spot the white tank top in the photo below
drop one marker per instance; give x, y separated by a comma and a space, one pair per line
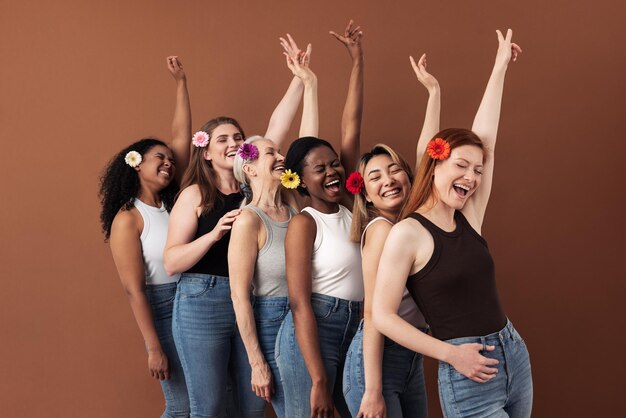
336, 260
153, 238
408, 310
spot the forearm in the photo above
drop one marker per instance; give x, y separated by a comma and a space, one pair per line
308, 341
488, 115
247, 327
285, 112
396, 328
179, 258
310, 110
352, 116
143, 316
373, 348
431, 121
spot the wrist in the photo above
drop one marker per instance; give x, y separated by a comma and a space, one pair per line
449, 353
154, 349
319, 382
373, 390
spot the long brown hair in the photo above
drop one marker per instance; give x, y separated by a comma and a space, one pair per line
423, 186
364, 211
201, 172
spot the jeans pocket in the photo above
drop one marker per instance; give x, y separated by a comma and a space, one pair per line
321, 309
270, 313
193, 289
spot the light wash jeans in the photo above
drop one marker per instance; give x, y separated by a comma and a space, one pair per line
337, 322
210, 349
404, 390
269, 313
509, 394
161, 299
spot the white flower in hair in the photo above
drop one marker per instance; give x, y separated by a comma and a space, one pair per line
133, 159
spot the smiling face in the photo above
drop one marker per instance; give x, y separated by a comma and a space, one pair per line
458, 177
269, 166
222, 148
157, 167
323, 175
387, 185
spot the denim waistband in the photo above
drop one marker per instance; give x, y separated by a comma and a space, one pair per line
270, 300
201, 278
496, 338
349, 305
165, 287
362, 324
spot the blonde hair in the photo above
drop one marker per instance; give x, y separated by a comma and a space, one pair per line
364, 211
240, 175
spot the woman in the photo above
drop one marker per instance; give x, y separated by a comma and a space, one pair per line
323, 266
256, 252
389, 383
204, 321
137, 192
484, 368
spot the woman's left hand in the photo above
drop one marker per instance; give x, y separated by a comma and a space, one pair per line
372, 406
176, 68
351, 38
297, 61
261, 380
424, 76
507, 50
158, 364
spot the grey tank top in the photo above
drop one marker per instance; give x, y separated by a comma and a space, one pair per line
270, 278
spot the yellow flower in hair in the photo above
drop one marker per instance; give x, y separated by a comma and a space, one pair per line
290, 180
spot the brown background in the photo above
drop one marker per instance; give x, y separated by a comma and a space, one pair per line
81, 79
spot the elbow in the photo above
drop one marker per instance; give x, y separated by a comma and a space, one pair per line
169, 265
132, 292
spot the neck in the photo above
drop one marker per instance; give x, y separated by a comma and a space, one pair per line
439, 213
324, 206
149, 197
389, 215
266, 194
226, 181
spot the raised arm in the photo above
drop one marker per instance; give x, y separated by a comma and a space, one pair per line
433, 107
396, 264
486, 126
181, 123
182, 251
285, 112
353, 109
298, 254
126, 250
298, 63
242, 253
373, 403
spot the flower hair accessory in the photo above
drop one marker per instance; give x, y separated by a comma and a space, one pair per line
200, 139
290, 180
133, 158
438, 149
248, 152
355, 183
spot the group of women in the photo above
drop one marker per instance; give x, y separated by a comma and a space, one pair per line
257, 283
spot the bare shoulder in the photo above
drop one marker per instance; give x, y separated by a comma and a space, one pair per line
420, 241
377, 232
302, 225
190, 195
247, 219
127, 221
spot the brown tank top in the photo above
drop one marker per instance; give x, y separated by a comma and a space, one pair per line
456, 289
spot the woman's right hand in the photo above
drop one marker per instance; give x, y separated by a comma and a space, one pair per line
158, 364
261, 380
372, 405
175, 68
321, 402
468, 361
424, 76
224, 225
297, 60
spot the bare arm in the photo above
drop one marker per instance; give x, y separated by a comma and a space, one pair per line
353, 108
433, 107
486, 127
242, 253
128, 258
396, 264
181, 123
298, 254
373, 403
182, 251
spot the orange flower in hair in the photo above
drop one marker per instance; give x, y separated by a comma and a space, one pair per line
438, 149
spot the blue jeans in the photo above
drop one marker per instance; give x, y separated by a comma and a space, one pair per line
337, 322
161, 299
210, 349
269, 312
509, 394
404, 390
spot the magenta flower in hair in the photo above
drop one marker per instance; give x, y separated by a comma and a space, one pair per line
248, 152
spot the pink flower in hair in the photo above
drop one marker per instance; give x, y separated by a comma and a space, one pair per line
200, 139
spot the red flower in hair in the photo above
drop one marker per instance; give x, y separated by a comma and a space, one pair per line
355, 183
438, 149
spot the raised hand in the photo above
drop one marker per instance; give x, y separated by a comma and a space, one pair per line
351, 38
423, 76
176, 68
468, 361
507, 50
297, 60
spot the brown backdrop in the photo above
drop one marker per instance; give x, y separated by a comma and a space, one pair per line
80, 80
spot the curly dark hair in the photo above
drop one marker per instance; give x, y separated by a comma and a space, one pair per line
119, 185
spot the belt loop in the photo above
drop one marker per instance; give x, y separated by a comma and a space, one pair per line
212, 282
484, 343
336, 304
